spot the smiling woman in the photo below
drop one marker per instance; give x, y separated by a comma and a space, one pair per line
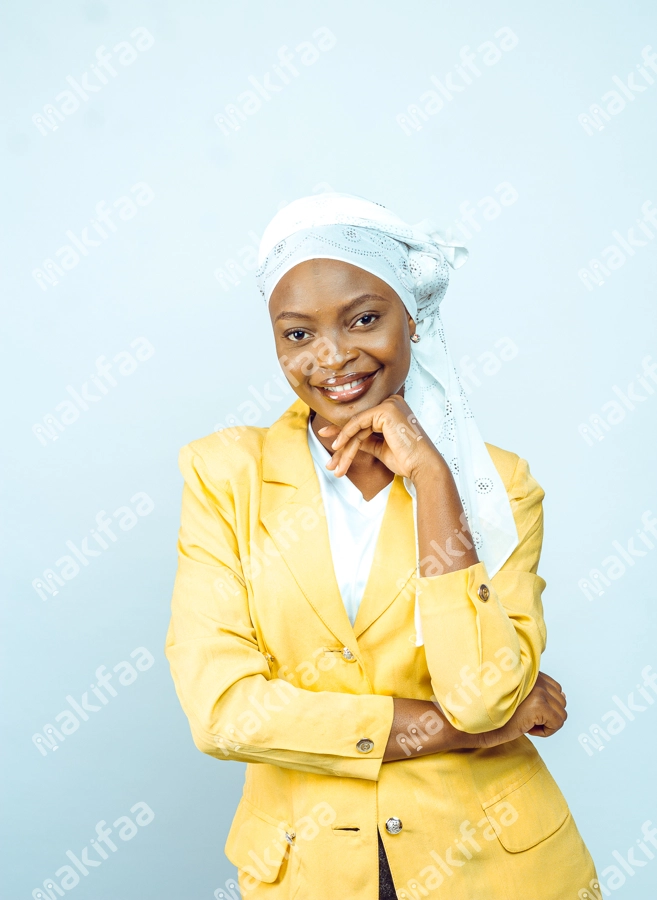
420, 579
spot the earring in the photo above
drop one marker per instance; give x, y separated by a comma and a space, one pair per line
415, 338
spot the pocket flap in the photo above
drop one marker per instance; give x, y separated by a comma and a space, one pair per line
528, 814
257, 842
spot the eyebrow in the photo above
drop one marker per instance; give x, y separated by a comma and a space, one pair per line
345, 309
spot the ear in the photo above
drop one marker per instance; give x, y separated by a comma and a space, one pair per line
411, 325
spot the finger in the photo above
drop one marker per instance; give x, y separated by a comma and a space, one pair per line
542, 731
334, 461
550, 722
538, 731
372, 445
558, 698
554, 687
548, 710
328, 430
548, 678
549, 730
374, 418
555, 695
354, 425
544, 692
556, 716
343, 458
546, 683
552, 704
376, 446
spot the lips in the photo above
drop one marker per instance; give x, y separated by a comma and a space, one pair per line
346, 387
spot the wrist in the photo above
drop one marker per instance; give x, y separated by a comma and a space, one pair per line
463, 740
430, 470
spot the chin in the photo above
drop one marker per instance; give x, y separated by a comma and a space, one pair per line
339, 414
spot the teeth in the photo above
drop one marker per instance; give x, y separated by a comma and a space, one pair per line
339, 388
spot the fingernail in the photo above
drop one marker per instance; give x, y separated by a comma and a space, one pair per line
333, 444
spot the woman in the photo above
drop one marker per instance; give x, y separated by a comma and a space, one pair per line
357, 612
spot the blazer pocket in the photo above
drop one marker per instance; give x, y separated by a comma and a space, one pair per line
529, 813
257, 843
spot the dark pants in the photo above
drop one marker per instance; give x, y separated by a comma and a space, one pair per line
386, 887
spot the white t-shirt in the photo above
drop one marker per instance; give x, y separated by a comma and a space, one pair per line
353, 526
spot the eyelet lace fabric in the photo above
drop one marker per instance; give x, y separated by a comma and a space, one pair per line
415, 261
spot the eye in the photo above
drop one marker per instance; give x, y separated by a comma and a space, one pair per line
298, 334
367, 318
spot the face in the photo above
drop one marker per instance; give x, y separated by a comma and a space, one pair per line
342, 337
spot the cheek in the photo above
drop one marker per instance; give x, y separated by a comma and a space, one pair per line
401, 368
295, 363
392, 350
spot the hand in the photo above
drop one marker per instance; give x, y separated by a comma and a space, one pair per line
389, 431
542, 713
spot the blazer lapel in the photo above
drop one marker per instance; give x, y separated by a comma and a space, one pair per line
290, 496
394, 558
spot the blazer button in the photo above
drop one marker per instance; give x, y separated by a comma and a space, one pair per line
347, 654
290, 836
483, 592
365, 745
394, 825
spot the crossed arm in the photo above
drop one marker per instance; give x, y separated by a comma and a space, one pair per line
542, 713
440, 517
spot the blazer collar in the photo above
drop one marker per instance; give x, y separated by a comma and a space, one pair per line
286, 457
290, 484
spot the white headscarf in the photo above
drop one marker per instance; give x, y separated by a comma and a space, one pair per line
414, 261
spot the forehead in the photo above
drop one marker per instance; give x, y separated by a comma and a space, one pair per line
325, 281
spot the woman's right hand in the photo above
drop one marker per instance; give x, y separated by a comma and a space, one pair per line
542, 713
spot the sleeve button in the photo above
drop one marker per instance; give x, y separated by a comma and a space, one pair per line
483, 592
365, 745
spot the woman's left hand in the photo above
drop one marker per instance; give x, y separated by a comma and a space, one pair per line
392, 433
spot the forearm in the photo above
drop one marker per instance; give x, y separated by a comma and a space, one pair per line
444, 540
262, 720
420, 727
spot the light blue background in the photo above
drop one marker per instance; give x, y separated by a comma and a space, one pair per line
335, 125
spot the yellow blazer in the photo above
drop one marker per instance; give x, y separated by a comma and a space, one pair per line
270, 671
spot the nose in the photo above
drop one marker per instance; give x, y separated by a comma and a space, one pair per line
334, 356
336, 362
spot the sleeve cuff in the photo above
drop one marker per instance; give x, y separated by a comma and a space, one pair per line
366, 756
453, 587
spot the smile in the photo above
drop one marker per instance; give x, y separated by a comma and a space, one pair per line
348, 391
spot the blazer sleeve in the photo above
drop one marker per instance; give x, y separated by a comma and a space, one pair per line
483, 655
236, 709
